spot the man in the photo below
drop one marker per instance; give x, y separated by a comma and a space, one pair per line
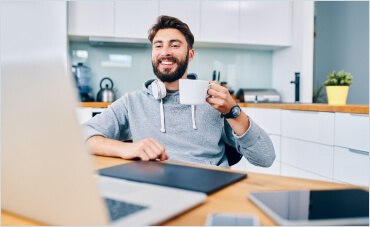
162, 128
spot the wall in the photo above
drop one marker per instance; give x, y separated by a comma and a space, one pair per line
240, 68
298, 57
342, 42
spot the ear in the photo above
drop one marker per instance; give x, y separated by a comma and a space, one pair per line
191, 54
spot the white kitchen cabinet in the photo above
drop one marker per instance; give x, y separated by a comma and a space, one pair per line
91, 18
187, 11
266, 23
308, 125
83, 114
219, 21
351, 166
268, 119
312, 157
352, 131
86, 113
133, 19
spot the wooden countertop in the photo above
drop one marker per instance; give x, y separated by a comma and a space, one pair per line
360, 109
351, 108
230, 199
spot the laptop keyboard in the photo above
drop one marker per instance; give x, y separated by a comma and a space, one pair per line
118, 209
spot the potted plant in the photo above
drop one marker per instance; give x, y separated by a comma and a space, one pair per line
337, 86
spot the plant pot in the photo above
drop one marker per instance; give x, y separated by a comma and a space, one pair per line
337, 95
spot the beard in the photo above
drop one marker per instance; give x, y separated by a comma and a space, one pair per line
166, 75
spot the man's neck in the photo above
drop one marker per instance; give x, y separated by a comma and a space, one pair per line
175, 85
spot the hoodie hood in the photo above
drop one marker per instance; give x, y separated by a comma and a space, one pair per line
147, 87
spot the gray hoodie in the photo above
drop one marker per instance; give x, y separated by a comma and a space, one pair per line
195, 136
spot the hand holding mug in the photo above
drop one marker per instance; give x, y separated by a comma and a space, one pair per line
220, 98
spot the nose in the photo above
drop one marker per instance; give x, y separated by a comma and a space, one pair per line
165, 51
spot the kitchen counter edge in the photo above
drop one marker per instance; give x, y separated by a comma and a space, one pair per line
350, 108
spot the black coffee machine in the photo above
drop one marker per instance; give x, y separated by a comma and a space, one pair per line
82, 76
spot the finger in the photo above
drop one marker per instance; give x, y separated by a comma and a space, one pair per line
164, 156
158, 148
151, 153
215, 103
143, 156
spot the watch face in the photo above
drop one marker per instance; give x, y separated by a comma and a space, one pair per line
236, 111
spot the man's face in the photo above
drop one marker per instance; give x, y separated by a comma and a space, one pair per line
170, 55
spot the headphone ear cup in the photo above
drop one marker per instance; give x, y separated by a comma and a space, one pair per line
158, 89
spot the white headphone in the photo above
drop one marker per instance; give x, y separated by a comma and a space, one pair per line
158, 89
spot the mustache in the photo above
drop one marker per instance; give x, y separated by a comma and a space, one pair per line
168, 58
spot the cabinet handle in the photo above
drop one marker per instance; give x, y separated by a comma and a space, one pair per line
359, 152
359, 115
304, 111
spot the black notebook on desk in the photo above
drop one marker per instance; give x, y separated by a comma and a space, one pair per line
177, 176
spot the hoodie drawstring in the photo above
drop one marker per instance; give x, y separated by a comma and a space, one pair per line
162, 116
192, 116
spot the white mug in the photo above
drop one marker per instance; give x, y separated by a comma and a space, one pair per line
193, 92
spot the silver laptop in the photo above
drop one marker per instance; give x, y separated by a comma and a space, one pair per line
46, 170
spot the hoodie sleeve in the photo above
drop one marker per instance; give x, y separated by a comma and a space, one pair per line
112, 123
255, 145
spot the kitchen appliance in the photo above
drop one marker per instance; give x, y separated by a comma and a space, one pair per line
106, 94
82, 75
258, 95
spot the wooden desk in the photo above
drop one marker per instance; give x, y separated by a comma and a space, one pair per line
230, 199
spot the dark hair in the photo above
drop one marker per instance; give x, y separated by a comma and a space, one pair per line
164, 22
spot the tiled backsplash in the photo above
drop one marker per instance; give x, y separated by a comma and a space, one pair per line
240, 68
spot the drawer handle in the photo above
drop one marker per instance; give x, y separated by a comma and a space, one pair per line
359, 152
304, 111
359, 115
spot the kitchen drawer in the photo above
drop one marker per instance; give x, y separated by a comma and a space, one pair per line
308, 125
86, 113
313, 157
351, 167
268, 119
352, 131
290, 171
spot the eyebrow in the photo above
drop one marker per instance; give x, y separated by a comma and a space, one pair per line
171, 41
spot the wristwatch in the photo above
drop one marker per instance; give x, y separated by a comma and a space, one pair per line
234, 112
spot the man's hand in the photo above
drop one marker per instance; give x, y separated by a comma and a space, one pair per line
220, 98
147, 149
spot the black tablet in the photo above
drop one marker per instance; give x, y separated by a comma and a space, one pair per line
177, 176
327, 207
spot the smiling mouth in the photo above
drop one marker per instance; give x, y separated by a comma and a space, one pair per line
167, 63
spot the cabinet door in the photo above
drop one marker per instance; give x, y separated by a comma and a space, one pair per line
268, 119
352, 131
91, 18
133, 19
290, 171
266, 23
187, 11
308, 125
219, 21
351, 166
312, 157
